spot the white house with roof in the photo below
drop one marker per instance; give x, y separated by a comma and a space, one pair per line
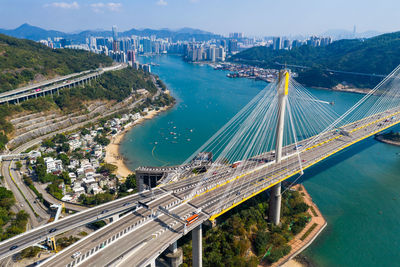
74, 144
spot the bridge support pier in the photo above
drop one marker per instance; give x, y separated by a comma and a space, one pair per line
175, 256
197, 246
114, 218
275, 199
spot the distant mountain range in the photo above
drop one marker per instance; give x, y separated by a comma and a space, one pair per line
28, 31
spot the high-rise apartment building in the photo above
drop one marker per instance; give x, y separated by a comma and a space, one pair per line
114, 32
277, 43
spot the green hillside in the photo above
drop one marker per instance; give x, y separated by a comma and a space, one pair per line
22, 61
377, 55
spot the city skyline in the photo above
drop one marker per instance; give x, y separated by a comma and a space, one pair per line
263, 18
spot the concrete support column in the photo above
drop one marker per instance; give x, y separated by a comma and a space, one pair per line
114, 218
275, 204
173, 247
197, 246
175, 257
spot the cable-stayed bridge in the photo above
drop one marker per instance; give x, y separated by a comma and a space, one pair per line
283, 131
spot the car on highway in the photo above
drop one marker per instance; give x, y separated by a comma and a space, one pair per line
104, 211
53, 230
76, 255
297, 147
13, 247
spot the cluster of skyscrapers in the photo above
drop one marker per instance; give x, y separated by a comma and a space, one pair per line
280, 43
125, 49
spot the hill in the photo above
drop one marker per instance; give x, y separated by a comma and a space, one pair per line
22, 61
377, 55
35, 33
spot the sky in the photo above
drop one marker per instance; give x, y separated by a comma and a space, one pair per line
253, 17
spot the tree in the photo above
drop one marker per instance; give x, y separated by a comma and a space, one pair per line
18, 165
108, 168
60, 139
48, 143
85, 131
260, 242
63, 148
104, 141
65, 177
64, 158
6, 198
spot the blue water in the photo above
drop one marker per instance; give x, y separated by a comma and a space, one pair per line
358, 190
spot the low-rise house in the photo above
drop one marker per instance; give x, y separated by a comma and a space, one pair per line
89, 180
74, 144
74, 163
80, 172
72, 176
136, 116
79, 190
67, 198
94, 189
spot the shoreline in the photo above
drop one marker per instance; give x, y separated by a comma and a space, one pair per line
345, 90
113, 154
302, 241
339, 87
382, 139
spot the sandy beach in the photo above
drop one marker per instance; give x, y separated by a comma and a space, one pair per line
113, 155
293, 263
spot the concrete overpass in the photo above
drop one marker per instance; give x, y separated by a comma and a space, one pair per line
53, 86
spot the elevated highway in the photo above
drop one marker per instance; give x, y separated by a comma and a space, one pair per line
54, 85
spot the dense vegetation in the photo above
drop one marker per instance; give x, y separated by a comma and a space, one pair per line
377, 55
11, 224
392, 136
22, 61
244, 238
116, 85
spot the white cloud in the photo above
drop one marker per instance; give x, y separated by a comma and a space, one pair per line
100, 7
114, 6
64, 5
162, 3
